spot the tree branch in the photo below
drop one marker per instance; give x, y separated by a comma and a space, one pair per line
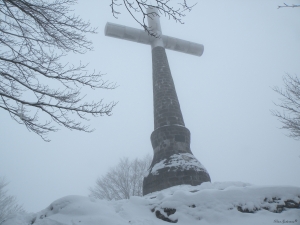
288, 6
34, 37
290, 105
164, 7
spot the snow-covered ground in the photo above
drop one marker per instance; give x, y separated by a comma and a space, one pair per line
216, 203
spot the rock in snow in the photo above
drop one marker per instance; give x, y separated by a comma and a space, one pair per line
208, 203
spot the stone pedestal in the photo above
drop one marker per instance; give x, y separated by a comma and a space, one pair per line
173, 162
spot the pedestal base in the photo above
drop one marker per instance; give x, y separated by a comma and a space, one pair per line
173, 162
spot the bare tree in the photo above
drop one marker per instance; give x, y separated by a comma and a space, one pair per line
290, 103
8, 204
122, 181
34, 37
36, 88
287, 5
172, 9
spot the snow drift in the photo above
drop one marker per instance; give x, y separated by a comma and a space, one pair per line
208, 203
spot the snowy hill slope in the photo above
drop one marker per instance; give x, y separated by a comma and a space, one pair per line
217, 203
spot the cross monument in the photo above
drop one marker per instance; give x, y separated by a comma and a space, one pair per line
173, 162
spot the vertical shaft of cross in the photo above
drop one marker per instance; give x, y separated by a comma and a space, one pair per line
173, 162
166, 105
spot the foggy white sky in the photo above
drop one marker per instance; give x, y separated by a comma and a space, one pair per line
225, 97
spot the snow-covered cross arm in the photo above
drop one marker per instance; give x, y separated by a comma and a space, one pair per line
141, 36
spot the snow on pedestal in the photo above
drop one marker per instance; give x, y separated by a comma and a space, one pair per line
178, 162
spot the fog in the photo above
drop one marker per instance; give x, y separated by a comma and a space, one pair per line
225, 96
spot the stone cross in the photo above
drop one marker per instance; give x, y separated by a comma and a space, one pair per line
173, 162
